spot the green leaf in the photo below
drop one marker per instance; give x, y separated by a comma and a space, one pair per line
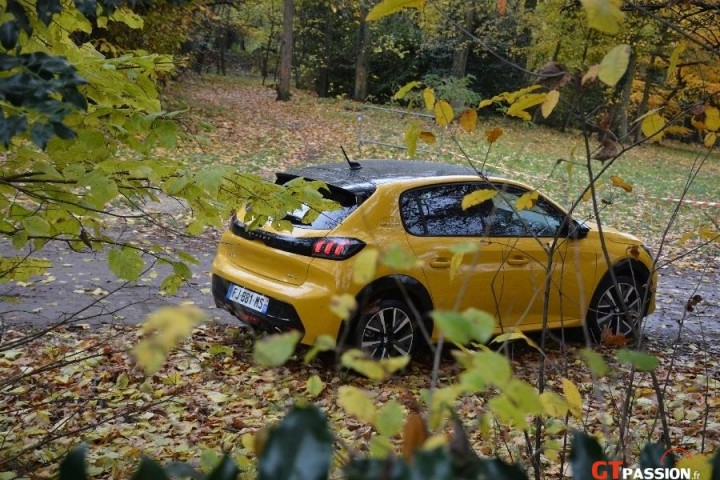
354, 401
299, 448
126, 263
225, 470
640, 360
73, 465
390, 418
614, 65
314, 386
388, 7
604, 15
275, 350
36, 226
412, 134
462, 328
323, 343
399, 258
486, 368
373, 369
583, 455
149, 469
594, 361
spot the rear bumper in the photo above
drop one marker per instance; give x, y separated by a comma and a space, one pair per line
280, 316
304, 307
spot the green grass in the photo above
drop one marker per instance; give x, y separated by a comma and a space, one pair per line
242, 125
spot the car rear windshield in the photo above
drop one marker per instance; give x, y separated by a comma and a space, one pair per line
328, 219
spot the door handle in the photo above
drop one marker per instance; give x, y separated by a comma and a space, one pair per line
518, 260
440, 262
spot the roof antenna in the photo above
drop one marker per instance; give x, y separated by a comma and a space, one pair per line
353, 165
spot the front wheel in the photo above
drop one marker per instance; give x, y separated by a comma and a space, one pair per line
606, 308
386, 329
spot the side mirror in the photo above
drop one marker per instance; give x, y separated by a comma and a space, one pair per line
574, 229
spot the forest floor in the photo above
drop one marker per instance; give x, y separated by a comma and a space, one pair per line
204, 402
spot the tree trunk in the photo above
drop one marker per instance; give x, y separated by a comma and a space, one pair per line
286, 52
623, 105
462, 50
322, 83
362, 62
649, 77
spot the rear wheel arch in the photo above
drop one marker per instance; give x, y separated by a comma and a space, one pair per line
402, 288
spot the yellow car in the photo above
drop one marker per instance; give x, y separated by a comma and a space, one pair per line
281, 280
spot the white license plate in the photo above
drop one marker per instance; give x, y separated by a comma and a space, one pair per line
248, 298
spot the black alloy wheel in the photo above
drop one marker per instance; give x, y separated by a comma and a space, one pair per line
388, 329
606, 309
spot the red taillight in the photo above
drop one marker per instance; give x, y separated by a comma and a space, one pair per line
335, 248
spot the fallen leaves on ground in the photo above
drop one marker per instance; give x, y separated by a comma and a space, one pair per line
210, 397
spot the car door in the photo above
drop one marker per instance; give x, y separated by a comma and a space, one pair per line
437, 227
527, 235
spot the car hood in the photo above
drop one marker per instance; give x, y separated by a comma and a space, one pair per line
614, 235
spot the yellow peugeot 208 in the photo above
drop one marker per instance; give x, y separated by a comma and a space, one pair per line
281, 280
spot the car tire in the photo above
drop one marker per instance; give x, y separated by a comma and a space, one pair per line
387, 328
606, 310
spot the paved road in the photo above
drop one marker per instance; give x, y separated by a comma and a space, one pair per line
77, 287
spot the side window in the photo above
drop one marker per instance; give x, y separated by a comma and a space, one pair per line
436, 211
543, 220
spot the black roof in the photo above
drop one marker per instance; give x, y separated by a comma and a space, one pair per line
377, 171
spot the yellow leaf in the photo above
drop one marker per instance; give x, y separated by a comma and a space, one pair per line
486, 102
511, 97
412, 133
591, 74
163, 330
614, 65
373, 369
314, 386
619, 182
493, 134
400, 94
355, 402
468, 120
710, 139
477, 197
674, 59
429, 97
527, 201
343, 305
604, 15
517, 335
699, 465
708, 233
427, 137
443, 113
365, 264
519, 107
551, 100
573, 397
455, 262
388, 7
712, 119
553, 404
653, 127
